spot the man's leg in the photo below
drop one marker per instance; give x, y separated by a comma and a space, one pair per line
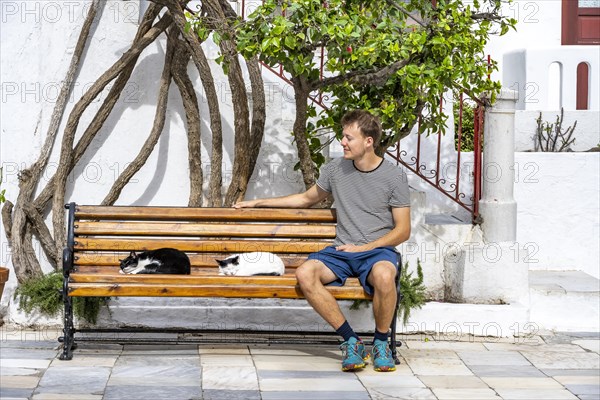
382, 278
312, 277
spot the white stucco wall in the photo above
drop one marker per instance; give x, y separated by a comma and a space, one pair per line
557, 198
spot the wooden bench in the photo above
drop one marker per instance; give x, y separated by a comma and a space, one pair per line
98, 236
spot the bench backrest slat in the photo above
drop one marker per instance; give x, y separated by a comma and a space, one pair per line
202, 246
204, 214
242, 230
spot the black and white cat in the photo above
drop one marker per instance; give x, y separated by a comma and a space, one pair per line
159, 261
254, 263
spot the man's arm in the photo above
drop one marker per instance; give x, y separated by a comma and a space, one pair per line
301, 200
399, 234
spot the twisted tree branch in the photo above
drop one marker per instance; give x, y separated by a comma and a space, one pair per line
201, 62
192, 113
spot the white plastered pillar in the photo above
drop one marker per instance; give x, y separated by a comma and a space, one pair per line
497, 206
490, 267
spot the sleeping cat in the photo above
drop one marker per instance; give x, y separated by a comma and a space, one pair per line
254, 263
159, 261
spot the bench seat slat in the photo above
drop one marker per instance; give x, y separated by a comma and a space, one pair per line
197, 277
225, 290
95, 259
225, 246
121, 228
145, 213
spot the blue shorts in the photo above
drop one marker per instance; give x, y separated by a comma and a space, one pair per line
346, 264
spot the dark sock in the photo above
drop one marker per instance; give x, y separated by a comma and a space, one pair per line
346, 331
380, 336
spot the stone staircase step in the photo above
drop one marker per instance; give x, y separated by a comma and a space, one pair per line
565, 300
444, 219
564, 281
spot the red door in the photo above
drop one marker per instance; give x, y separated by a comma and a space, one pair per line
580, 22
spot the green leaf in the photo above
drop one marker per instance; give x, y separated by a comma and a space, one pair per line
289, 42
278, 30
216, 37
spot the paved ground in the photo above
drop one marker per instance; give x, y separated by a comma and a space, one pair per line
548, 366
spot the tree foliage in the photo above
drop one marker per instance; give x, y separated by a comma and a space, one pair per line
393, 58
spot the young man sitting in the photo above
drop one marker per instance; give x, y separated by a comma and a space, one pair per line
372, 203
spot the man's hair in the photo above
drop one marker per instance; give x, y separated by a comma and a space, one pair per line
369, 124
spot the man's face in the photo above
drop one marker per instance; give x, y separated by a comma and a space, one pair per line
354, 143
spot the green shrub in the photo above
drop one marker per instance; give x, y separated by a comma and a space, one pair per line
552, 137
467, 141
43, 294
413, 293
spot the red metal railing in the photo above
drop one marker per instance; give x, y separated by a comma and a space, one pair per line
449, 187
417, 164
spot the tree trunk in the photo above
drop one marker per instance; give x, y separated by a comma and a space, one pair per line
257, 129
240, 173
39, 228
248, 148
192, 114
193, 41
301, 93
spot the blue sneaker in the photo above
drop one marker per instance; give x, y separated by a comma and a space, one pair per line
354, 354
382, 357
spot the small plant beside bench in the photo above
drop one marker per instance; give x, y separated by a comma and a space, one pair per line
99, 236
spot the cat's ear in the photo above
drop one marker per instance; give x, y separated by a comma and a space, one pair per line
220, 262
235, 260
132, 254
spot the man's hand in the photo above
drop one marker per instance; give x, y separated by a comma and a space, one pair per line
352, 248
246, 204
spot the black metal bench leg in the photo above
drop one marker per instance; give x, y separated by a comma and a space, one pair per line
394, 344
68, 339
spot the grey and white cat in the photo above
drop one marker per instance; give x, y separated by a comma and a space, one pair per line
159, 261
254, 263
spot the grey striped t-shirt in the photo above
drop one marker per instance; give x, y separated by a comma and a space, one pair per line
364, 200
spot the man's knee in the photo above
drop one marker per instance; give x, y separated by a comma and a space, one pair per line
306, 274
383, 275
313, 273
